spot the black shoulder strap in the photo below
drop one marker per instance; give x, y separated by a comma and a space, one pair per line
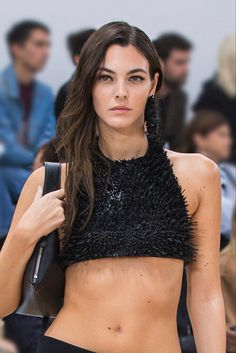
52, 180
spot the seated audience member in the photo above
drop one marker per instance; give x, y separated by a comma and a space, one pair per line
219, 92
27, 121
174, 51
26, 112
228, 282
75, 42
209, 133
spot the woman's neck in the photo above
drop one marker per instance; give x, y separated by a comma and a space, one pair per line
123, 146
23, 75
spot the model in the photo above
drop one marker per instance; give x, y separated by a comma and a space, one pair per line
131, 214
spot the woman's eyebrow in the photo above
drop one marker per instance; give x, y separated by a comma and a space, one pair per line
129, 72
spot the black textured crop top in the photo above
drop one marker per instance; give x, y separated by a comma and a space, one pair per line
139, 210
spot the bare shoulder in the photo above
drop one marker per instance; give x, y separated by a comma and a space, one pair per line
195, 173
196, 164
27, 194
38, 176
35, 179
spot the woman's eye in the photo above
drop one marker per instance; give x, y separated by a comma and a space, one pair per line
104, 78
136, 78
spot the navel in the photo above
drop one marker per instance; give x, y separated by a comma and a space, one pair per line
117, 330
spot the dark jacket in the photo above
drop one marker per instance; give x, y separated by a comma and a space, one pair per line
61, 99
172, 112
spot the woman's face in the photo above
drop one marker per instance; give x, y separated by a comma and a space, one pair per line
124, 80
216, 144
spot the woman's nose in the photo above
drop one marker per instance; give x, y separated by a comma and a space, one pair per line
121, 90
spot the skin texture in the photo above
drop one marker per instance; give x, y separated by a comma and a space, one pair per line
129, 304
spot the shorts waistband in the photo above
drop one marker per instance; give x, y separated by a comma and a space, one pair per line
48, 344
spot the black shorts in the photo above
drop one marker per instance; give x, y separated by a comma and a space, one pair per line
49, 344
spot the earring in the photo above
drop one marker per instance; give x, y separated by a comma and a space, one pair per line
150, 116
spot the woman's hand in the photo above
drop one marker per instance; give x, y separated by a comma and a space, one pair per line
35, 215
45, 214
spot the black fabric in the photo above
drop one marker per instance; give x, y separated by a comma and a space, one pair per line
172, 114
185, 331
24, 331
61, 97
49, 344
139, 210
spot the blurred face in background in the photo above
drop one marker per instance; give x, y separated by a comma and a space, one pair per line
216, 144
34, 52
76, 59
176, 67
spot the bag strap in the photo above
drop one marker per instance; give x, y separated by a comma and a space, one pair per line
52, 182
52, 177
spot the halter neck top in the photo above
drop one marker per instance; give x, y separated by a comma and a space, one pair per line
139, 210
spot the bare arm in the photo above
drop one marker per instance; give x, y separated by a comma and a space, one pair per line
204, 299
34, 217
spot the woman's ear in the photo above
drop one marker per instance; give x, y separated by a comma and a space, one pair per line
154, 83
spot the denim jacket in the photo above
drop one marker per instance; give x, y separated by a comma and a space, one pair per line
41, 125
228, 197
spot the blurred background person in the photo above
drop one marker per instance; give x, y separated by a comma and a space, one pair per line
75, 42
209, 133
175, 52
27, 121
228, 283
219, 92
26, 111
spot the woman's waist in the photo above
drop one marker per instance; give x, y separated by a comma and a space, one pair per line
122, 307
118, 332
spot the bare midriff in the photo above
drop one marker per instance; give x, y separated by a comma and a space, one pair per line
121, 305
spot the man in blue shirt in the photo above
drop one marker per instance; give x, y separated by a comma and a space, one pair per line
27, 122
27, 118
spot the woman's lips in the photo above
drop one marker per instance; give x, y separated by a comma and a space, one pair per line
120, 110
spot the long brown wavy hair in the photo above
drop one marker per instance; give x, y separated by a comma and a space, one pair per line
76, 125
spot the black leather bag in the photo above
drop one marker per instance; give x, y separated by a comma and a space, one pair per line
44, 279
